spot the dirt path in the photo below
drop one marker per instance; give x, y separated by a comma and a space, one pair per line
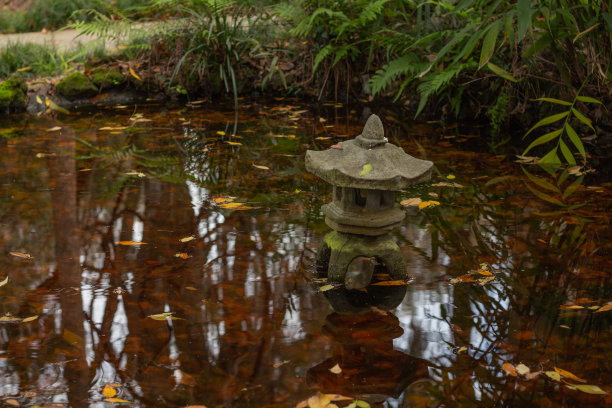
64, 40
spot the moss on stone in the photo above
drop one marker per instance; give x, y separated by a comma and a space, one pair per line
13, 93
107, 78
75, 85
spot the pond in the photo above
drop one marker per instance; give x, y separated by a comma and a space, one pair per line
165, 256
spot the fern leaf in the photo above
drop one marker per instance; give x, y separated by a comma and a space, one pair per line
409, 64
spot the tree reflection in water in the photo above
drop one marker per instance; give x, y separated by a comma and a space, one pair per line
251, 329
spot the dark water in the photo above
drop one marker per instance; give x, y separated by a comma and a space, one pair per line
252, 328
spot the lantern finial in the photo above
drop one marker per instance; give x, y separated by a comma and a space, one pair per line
373, 134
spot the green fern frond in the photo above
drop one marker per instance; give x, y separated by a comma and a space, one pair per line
434, 82
321, 55
409, 64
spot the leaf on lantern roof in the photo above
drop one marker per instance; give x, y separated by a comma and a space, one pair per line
367, 168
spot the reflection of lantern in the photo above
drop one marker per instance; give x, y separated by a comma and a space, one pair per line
363, 349
365, 172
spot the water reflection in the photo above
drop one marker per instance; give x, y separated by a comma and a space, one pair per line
252, 329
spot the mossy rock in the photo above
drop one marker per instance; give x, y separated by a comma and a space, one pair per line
106, 78
75, 85
13, 93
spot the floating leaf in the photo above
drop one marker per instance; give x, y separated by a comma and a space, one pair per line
9, 318
222, 199
510, 369
569, 375
391, 283
181, 255
486, 280
335, 369
553, 375
231, 205
604, 308
135, 173
4, 282
589, 389
12, 402
234, 143
29, 319
56, 107
484, 272
462, 349
117, 400
21, 255
257, 166
325, 288
426, 204
113, 128
366, 169
109, 391
131, 243
411, 202
450, 177
54, 129
132, 73
164, 316
39, 100
565, 307
522, 369
187, 239
220, 133
276, 365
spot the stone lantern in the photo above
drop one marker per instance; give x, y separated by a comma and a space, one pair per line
365, 173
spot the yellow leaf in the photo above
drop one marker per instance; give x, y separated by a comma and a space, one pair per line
367, 168
21, 255
411, 202
29, 319
131, 243
569, 375
522, 369
276, 365
325, 288
56, 107
462, 349
230, 205
450, 177
12, 402
118, 400
109, 391
589, 389
338, 397
484, 272
391, 283
234, 143
23, 69
260, 167
4, 282
604, 308
182, 255
164, 316
553, 375
426, 204
335, 369
9, 318
134, 74
187, 239
113, 128
54, 129
510, 369
220, 133
39, 100
565, 307
484, 281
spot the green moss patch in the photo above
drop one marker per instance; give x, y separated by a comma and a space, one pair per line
75, 85
13, 93
107, 78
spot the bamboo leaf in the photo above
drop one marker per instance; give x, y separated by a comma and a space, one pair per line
543, 139
554, 100
501, 72
488, 43
567, 154
587, 99
581, 34
544, 196
573, 187
523, 14
583, 118
548, 120
575, 139
550, 158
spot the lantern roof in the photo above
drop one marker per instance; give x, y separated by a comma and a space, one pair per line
368, 162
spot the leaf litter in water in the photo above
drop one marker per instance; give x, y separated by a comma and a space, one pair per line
589, 389
569, 375
131, 243
187, 239
335, 369
390, 283
21, 255
164, 316
509, 369
426, 204
4, 282
411, 202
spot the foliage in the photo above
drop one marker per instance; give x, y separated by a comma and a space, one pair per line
32, 59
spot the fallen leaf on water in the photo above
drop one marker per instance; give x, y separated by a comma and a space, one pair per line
12, 402
21, 255
484, 272
564, 326
29, 319
244, 208
187, 239
276, 365
450, 177
461, 349
4, 282
164, 316
446, 184
182, 255
131, 243
195, 406
604, 308
367, 168
589, 389
510, 369
135, 173
109, 391
426, 204
569, 375
484, 281
54, 129
39, 100
336, 146
132, 73
522, 369
118, 400
9, 318
390, 283
526, 159
56, 107
220, 133
553, 375
231, 205
465, 278
234, 143
335, 369
257, 166
434, 195
411, 202
113, 128
565, 307
326, 288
